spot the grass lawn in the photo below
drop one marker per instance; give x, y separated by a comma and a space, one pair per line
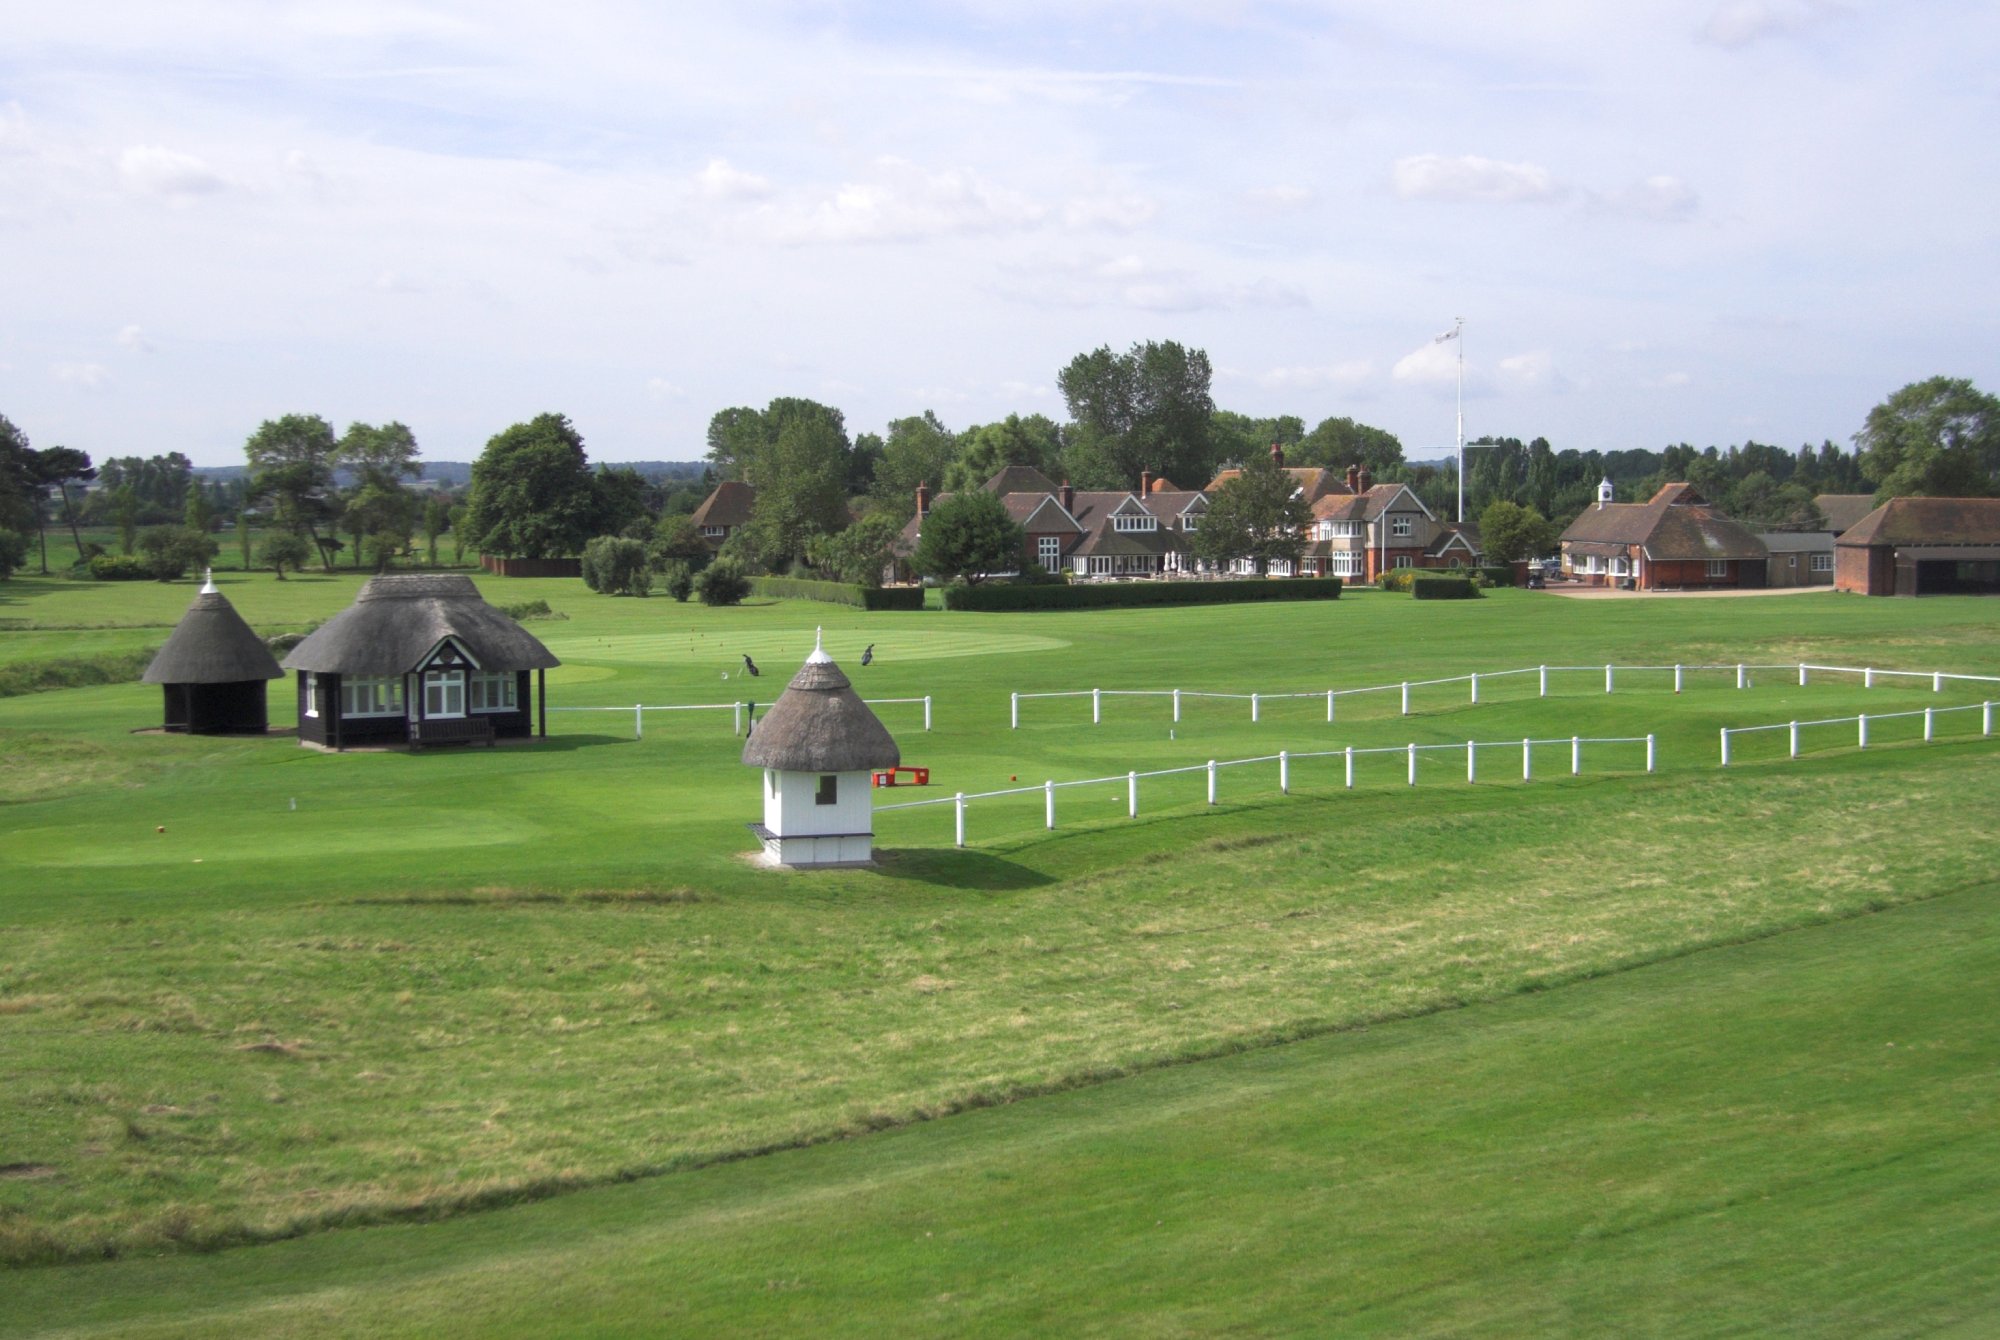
357, 989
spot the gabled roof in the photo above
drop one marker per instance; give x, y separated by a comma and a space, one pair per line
1797, 541
1314, 481
212, 645
1019, 479
1367, 506
400, 618
1094, 510
729, 505
1842, 510
820, 724
1170, 505
1042, 515
1675, 526
1454, 535
1922, 521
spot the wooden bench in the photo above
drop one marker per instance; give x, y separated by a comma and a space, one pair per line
452, 730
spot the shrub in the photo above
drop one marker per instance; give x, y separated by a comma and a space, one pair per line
679, 580
285, 550
171, 550
119, 568
13, 552
1433, 587
530, 609
1025, 596
612, 565
840, 593
71, 672
1499, 574
722, 583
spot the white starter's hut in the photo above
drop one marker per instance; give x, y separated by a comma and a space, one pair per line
214, 670
817, 746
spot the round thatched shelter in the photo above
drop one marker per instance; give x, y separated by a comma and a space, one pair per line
817, 746
419, 657
214, 671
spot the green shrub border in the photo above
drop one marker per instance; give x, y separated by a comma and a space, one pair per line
839, 593
1445, 588
74, 672
1020, 596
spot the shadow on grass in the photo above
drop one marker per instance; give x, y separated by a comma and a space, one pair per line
954, 869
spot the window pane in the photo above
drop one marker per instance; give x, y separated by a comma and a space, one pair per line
829, 790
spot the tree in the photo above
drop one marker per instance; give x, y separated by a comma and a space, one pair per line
1258, 515
967, 536
384, 455
1238, 437
18, 470
623, 502
533, 495
1340, 442
918, 450
170, 551
985, 451
1936, 438
383, 513
1146, 409
1511, 533
801, 483
13, 552
858, 554
615, 565
59, 467
291, 463
436, 521
722, 582
282, 549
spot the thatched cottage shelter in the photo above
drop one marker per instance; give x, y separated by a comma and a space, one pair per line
419, 658
214, 671
817, 747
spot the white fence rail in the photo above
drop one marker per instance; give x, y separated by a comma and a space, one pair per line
639, 710
1861, 724
1742, 670
1284, 759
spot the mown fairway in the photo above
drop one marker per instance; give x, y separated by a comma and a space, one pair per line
355, 989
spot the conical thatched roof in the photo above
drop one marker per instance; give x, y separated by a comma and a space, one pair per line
820, 724
212, 645
399, 617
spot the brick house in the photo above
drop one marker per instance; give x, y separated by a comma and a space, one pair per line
1675, 541
723, 511
1922, 546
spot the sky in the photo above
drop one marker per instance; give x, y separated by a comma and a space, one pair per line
1660, 220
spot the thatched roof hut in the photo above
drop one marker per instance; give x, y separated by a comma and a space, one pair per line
399, 618
213, 669
819, 724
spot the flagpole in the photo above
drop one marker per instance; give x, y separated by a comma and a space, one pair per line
1458, 333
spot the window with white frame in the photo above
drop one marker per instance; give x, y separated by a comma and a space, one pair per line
1347, 530
444, 693
1400, 561
312, 693
1822, 562
1190, 520
1399, 526
366, 696
1718, 567
1346, 564
1591, 565
1048, 551
715, 532
1130, 521
492, 691
1619, 567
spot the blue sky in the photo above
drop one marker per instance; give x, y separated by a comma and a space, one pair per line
1702, 221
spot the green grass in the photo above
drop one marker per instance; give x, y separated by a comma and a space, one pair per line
356, 989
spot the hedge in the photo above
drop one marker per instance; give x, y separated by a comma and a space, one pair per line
1444, 588
1020, 596
1501, 574
840, 593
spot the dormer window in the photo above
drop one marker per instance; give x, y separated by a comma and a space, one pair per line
1129, 522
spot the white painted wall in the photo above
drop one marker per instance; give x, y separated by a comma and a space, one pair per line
790, 809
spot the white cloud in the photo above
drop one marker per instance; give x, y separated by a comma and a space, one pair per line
720, 181
1129, 280
133, 338
661, 389
1118, 212
1471, 178
1350, 377
83, 376
903, 203
151, 170
1533, 371
1738, 23
1431, 365
1664, 198
1282, 197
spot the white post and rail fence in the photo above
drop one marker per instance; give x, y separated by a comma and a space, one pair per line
738, 709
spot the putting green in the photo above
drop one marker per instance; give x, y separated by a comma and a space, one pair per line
781, 650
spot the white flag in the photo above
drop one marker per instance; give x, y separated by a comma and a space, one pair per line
1451, 334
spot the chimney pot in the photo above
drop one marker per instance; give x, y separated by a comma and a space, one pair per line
1278, 455
1354, 479
923, 501
1145, 482
1068, 497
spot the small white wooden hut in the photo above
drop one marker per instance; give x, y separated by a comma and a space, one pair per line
817, 746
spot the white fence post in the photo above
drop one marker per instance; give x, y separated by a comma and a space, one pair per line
1868, 678
739, 718
1862, 721
959, 805
1406, 697
638, 721
1253, 709
1575, 755
1607, 679
1795, 739
1131, 795
1545, 682
1930, 715
1677, 679
1413, 764
1937, 681
1177, 706
1096, 706
1802, 674
927, 712
1284, 772
1049, 803
1986, 718
1725, 746
1471, 762
1329, 707
1211, 781
1015, 716
1475, 688
1739, 676
1649, 753
1350, 763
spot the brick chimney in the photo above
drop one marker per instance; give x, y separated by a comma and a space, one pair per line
1278, 455
1354, 479
1365, 480
1145, 482
923, 501
1068, 497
